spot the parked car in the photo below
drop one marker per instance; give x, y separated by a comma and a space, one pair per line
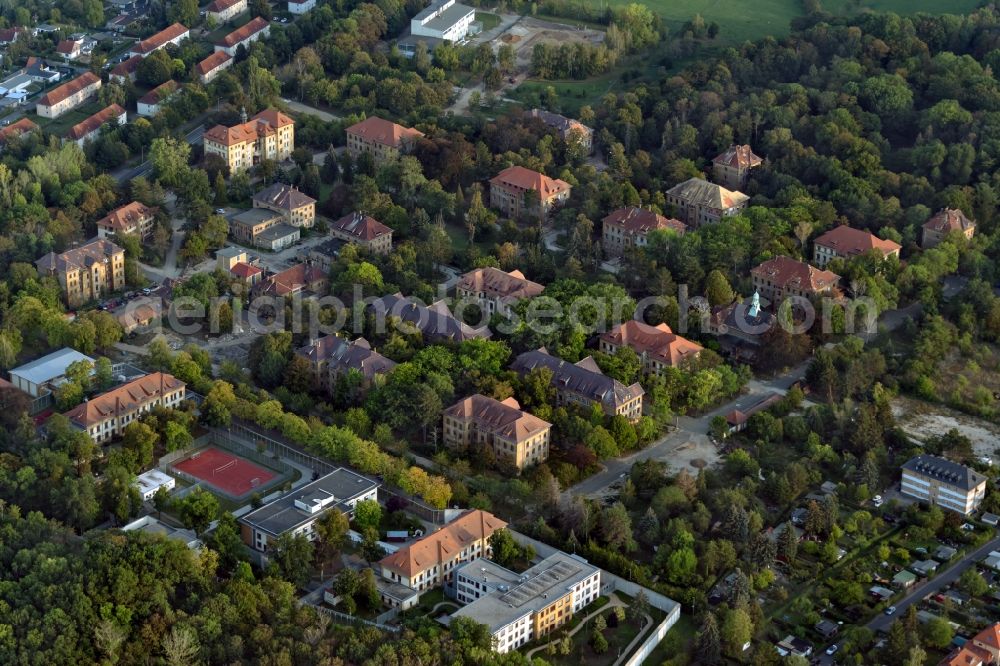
878, 501
890, 610
832, 650
220, 211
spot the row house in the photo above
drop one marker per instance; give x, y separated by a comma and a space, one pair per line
213, 65
172, 34
244, 36
90, 128
149, 104
107, 415
223, 10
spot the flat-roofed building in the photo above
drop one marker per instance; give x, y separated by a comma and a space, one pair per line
570, 130
435, 322
502, 426
150, 483
150, 525
269, 135
244, 36
845, 242
332, 356
509, 187
39, 377
229, 256
223, 10
382, 139
518, 608
443, 19
431, 560
87, 272
732, 168
658, 346
213, 65
945, 222
584, 384
297, 207
136, 219
496, 291
630, 226
278, 237
783, 277
89, 129
364, 231
108, 414
296, 512
68, 96
939, 481
700, 202
245, 227
172, 34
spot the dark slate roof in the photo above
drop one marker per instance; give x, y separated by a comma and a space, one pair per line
944, 471
583, 378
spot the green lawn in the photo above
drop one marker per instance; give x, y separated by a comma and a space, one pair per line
61, 125
904, 7
488, 20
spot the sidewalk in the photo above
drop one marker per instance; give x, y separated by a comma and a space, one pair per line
613, 602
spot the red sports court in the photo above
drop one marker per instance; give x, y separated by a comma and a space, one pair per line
226, 471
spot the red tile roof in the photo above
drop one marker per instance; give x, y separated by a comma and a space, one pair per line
160, 39
949, 219
383, 131
849, 241
990, 636
967, 655
212, 62
738, 157
93, 123
20, 127
363, 227
262, 124
160, 92
786, 272
244, 270
240, 34
10, 34
657, 341
64, 91
293, 279
641, 221
221, 5
128, 67
519, 178
67, 46
120, 219
125, 398
443, 545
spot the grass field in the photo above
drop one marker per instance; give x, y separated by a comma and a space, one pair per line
902, 7
488, 20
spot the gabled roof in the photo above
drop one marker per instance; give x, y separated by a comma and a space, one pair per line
361, 226
125, 398
293, 279
212, 62
97, 250
658, 341
57, 95
244, 270
160, 39
68, 46
641, 221
221, 5
786, 273
283, 196
990, 636
967, 655
849, 241
495, 283
738, 157
443, 545
504, 418
19, 127
128, 67
435, 321
93, 123
160, 92
242, 33
520, 178
583, 378
703, 193
120, 219
346, 355
559, 122
385, 132
949, 219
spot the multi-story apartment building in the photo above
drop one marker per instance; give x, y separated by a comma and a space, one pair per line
518, 608
296, 207
569, 130
732, 168
108, 414
584, 384
300, 6
443, 19
223, 10
149, 104
269, 135
700, 202
332, 356
434, 322
982, 650
502, 426
432, 560
90, 128
213, 65
496, 291
782, 277
939, 481
658, 346
244, 36
364, 231
845, 242
509, 187
247, 226
943, 223
88, 272
630, 226
382, 139
297, 511
135, 219
68, 96
172, 34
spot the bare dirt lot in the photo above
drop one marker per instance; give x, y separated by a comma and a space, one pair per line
531, 31
921, 420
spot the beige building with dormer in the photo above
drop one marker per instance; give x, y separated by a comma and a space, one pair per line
502, 426
107, 415
509, 187
86, 273
269, 135
382, 139
732, 168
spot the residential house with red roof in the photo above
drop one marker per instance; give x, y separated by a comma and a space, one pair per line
945, 222
70, 49
269, 135
213, 65
134, 218
222, 10
68, 96
700, 202
732, 168
149, 104
496, 291
294, 280
982, 650
108, 414
382, 139
17, 128
784, 277
125, 71
501, 426
364, 231
244, 36
89, 129
297, 207
246, 273
845, 242
630, 226
172, 34
658, 346
569, 130
509, 187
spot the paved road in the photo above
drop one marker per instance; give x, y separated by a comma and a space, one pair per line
299, 107
128, 173
881, 622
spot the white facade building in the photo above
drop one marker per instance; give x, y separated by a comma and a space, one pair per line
443, 19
